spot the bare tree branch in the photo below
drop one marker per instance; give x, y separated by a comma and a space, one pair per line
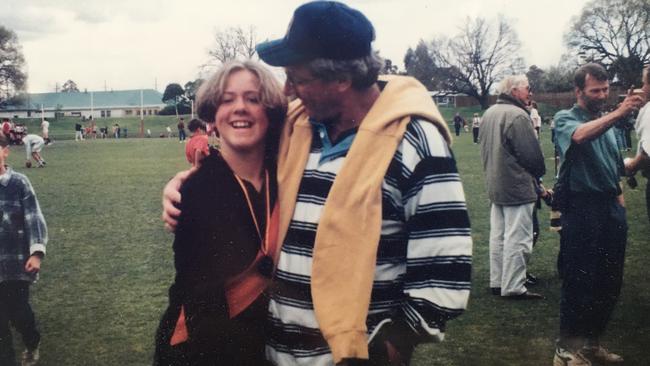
615, 33
479, 55
234, 43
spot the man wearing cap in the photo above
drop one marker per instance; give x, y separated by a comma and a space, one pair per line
376, 252
376, 245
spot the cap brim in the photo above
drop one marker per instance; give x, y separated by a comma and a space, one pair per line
278, 53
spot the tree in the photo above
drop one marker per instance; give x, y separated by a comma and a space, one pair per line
615, 33
233, 43
535, 78
478, 56
191, 87
13, 78
389, 67
174, 93
247, 39
559, 78
420, 65
69, 87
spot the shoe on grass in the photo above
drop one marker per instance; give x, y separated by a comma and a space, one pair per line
528, 295
600, 354
564, 357
531, 280
30, 358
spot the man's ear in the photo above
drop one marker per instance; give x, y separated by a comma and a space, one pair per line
344, 85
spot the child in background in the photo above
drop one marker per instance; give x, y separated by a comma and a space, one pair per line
197, 148
23, 236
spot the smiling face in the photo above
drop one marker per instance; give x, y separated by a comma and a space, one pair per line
241, 119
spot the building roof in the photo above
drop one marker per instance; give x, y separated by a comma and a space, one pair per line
445, 93
82, 100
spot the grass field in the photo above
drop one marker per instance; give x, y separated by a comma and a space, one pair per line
109, 262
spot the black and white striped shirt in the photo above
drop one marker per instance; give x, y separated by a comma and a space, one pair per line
423, 268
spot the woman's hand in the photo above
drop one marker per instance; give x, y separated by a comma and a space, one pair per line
171, 197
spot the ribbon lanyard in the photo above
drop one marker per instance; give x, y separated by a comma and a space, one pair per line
263, 240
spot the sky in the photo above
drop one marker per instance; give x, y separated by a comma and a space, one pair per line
129, 44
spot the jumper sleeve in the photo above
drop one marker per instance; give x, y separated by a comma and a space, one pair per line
35, 226
439, 250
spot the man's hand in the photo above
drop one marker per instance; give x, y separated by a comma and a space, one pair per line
33, 264
630, 166
592, 129
640, 161
171, 196
631, 103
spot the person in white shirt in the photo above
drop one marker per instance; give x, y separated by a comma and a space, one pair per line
45, 127
536, 118
642, 127
476, 123
33, 146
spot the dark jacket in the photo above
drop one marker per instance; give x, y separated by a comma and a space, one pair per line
511, 155
216, 239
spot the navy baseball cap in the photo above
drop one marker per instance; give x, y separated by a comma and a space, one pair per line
320, 29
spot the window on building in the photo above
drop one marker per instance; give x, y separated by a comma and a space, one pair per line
103, 114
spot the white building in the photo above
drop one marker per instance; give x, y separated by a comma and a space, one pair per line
118, 103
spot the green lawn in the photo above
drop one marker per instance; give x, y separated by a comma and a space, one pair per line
109, 263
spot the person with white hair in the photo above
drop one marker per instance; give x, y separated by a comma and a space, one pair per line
512, 161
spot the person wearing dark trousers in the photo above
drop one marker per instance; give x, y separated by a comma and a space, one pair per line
459, 122
181, 130
15, 310
23, 236
476, 124
594, 227
627, 130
